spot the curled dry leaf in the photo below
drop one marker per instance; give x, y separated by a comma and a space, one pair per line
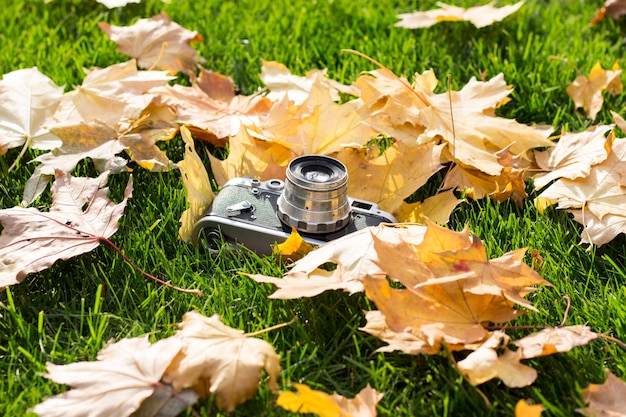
81, 216
479, 16
197, 187
217, 359
156, 42
354, 256
485, 364
28, 99
573, 156
596, 201
124, 374
308, 400
586, 92
605, 400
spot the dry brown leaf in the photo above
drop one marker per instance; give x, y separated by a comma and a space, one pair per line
586, 92
211, 105
463, 119
395, 103
80, 217
446, 253
124, 374
156, 43
197, 187
354, 256
573, 156
280, 82
318, 125
436, 208
479, 16
391, 177
110, 95
407, 341
605, 400
485, 364
217, 359
523, 409
596, 200
554, 340
308, 400
250, 157
28, 99
450, 289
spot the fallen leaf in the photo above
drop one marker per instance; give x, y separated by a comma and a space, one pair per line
353, 256
217, 359
250, 157
124, 374
596, 200
294, 247
164, 402
110, 95
407, 341
318, 125
523, 409
573, 156
605, 400
479, 16
391, 177
436, 208
308, 400
485, 364
115, 3
80, 217
197, 187
211, 106
586, 92
156, 42
279, 80
474, 137
28, 99
554, 340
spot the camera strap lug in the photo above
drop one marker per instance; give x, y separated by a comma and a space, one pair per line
236, 209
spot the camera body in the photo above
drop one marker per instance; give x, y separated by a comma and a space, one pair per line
313, 199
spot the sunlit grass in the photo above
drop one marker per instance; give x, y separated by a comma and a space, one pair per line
68, 312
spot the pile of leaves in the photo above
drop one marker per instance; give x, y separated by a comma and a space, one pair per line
435, 289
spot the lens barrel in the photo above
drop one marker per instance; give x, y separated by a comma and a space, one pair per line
315, 197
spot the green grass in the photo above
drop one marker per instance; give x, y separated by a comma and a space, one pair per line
68, 312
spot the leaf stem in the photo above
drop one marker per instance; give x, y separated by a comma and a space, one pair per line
269, 329
146, 274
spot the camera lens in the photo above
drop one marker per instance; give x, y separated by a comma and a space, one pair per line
315, 197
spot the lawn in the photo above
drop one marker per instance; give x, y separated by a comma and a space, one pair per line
68, 312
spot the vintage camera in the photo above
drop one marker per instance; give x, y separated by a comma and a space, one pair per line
313, 199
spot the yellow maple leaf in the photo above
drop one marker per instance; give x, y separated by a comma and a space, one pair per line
294, 247
523, 409
197, 187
